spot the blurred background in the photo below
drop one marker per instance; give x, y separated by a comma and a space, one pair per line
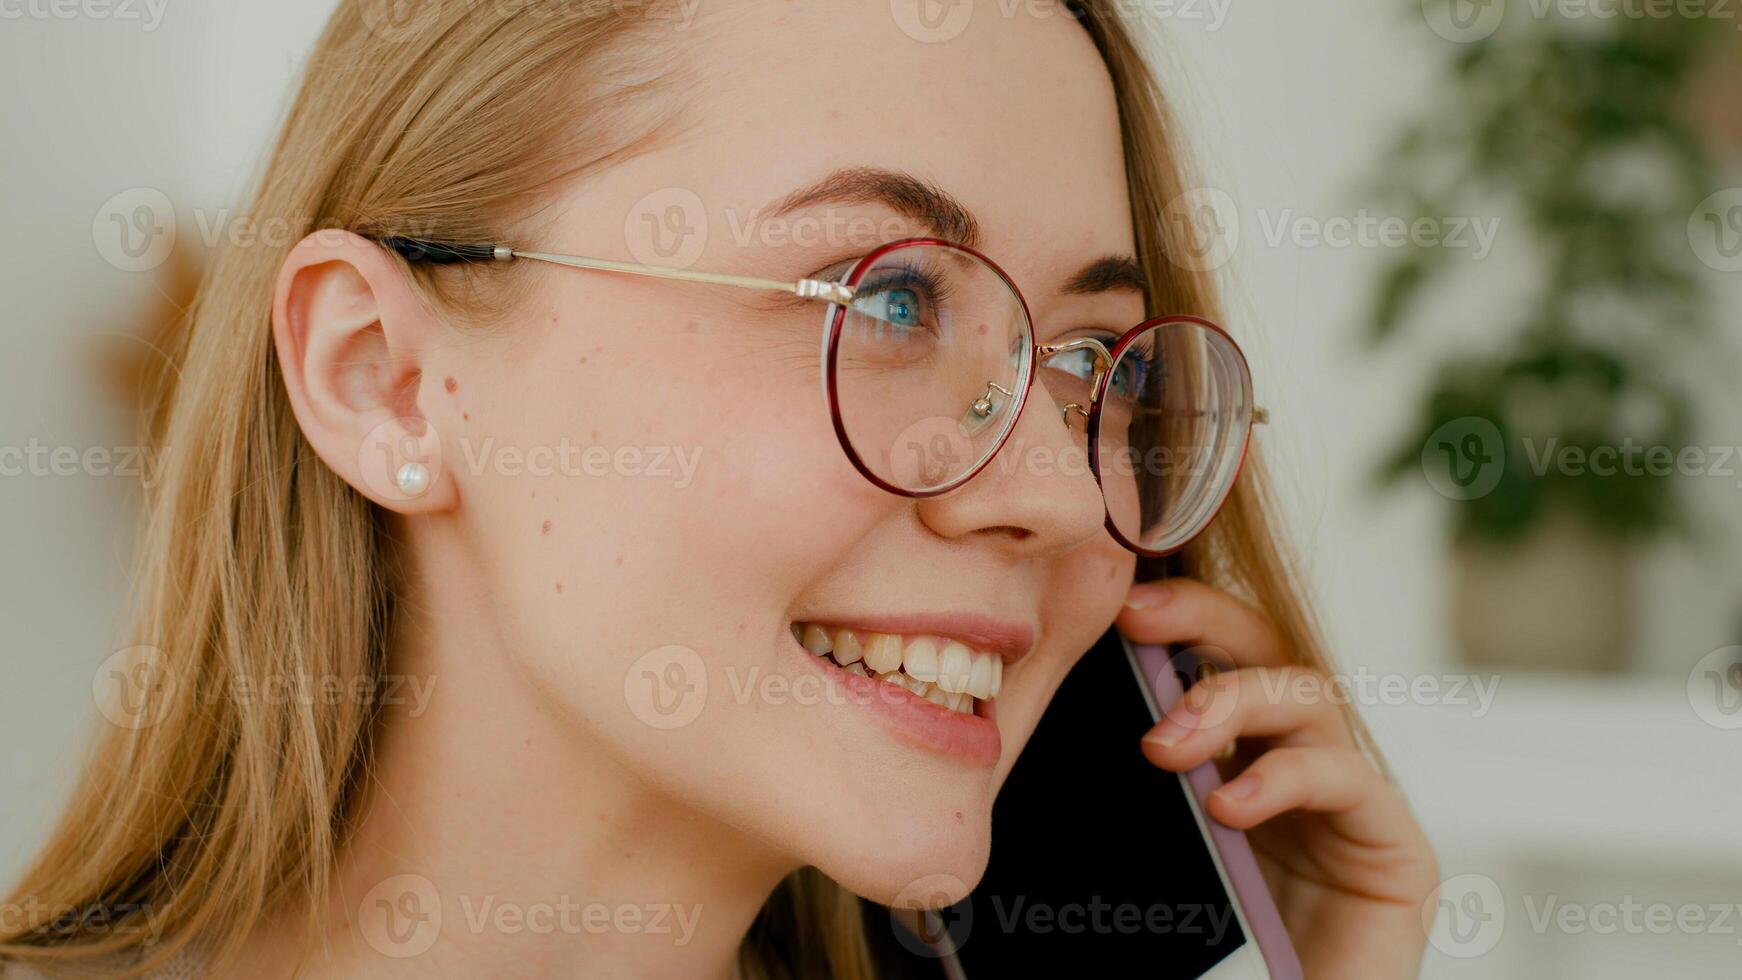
1486, 257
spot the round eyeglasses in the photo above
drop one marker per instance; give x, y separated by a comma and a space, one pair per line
928, 365
929, 357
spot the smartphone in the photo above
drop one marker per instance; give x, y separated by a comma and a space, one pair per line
1098, 857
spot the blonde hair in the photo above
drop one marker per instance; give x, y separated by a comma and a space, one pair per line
258, 562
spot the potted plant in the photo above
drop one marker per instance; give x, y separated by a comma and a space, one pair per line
1548, 434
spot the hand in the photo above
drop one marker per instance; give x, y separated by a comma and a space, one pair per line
1339, 848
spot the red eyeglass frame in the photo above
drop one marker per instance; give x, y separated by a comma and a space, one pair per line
831, 391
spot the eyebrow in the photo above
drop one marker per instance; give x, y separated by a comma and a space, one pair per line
902, 193
1108, 273
948, 218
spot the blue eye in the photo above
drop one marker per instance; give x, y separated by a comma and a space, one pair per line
901, 307
907, 300
1129, 377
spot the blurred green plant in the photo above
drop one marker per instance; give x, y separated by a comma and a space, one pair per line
1573, 130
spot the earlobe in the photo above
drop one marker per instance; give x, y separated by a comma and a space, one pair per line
351, 335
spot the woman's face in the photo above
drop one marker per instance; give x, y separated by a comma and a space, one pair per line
650, 588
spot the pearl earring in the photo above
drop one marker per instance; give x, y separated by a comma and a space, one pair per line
413, 479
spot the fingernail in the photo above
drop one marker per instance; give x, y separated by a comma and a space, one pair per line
1240, 788
1173, 729
1147, 596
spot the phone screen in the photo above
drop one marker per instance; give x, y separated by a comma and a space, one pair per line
1097, 855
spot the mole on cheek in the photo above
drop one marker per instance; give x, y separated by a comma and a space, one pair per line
546, 529
559, 588
451, 385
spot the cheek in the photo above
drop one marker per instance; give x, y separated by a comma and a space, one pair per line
654, 474
1089, 588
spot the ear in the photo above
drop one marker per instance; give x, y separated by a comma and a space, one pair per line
352, 335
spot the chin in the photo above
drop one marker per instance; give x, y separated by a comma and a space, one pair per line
904, 873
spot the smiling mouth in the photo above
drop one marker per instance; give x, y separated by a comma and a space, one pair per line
946, 672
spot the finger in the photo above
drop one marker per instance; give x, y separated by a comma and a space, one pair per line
1184, 611
1295, 706
1340, 782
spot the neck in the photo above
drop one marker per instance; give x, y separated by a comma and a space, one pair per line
539, 854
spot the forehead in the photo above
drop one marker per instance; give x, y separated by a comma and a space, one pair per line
1009, 111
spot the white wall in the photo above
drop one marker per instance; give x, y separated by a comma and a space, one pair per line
97, 106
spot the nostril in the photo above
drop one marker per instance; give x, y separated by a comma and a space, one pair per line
1009, 531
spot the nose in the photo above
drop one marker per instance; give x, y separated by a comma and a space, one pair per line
1037, 497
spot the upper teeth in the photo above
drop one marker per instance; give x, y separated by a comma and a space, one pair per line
947, 672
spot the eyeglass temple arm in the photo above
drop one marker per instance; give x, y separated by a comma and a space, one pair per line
440, 253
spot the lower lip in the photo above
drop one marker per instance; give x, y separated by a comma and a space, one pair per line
916, 721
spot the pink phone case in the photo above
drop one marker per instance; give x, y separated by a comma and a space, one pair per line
1158, 673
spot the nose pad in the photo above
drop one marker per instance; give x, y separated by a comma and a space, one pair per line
986, 409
